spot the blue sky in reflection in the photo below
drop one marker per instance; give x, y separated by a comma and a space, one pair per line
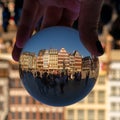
57, 38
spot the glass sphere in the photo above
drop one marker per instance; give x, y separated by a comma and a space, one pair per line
55, 67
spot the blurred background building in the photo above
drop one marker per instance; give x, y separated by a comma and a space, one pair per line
103, 102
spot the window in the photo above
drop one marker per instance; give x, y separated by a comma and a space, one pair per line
91, 115
101, 96
12, 83
119, 106
3, 73
1, 106
27, 115
113, 118
47, 116
34, 115
113, 91
53, 116
101, 80
112, 74
70, 115
60, 117
27, 99
12, 99
1, 89
19, 100
80, 115
19, 84
117, 74
33, 101
91, 97
113, 106
19, 115
13, 115
41, 116
101, 115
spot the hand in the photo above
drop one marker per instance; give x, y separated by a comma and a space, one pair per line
60, 12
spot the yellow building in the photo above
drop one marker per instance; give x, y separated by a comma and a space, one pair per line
28, 61
77, 61
40, 60
63, 59
46, 59
53, 59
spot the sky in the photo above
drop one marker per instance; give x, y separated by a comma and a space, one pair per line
56, 37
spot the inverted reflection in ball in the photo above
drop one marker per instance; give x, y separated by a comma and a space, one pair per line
55, 67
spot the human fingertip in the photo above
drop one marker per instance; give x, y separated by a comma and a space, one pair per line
16, 53
100, 50
20, 43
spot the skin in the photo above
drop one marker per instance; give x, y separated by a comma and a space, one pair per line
60, 12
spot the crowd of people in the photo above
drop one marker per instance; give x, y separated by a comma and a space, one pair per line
47, 81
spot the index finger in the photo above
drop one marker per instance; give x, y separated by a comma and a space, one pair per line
27, 21
30, 15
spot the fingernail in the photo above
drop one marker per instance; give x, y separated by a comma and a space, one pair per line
99, 47
16, 53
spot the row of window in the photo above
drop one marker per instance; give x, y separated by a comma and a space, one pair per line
81, 115
115, 106
114, 74
115, 118
115, 91
18, 100
101, 79
30, 100
92, 95
34, 115
3, 73
15, 83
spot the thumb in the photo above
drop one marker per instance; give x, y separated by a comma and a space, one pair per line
87, 25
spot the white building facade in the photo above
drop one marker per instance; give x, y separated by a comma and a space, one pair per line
114, 87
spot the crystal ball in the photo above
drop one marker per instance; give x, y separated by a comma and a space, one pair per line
55, 67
